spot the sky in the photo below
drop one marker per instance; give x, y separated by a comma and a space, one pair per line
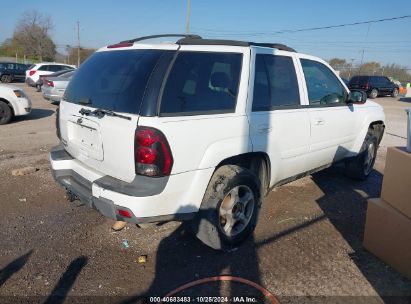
105, 22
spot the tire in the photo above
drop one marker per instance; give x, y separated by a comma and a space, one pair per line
373, 94
6, 78
229, 211
5, 113
394, 93
360, 166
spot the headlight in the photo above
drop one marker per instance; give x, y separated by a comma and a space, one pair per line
19, 94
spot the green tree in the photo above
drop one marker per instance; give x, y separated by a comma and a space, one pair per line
72, 54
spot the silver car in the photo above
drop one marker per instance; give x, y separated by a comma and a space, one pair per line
53, 88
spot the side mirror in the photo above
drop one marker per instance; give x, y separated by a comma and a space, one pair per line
357, 97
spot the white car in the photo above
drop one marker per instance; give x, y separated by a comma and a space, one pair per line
34, 72
13, 102
201, 130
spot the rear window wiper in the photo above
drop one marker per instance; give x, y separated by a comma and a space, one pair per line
100, 113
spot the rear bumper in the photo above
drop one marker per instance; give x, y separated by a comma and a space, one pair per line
30, 82
146, 199
52, 97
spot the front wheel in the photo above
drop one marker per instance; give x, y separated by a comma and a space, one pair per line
6, 78
373, 94
394, 93
229, 211
5, 113
360, 166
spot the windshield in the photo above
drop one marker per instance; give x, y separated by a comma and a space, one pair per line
113, 80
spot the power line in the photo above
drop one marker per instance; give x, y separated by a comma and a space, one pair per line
303, 29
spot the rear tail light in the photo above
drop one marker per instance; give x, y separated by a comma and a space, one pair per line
32, 72
366, 86
152, 153
50, 83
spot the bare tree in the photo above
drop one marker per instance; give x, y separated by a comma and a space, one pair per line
32, 34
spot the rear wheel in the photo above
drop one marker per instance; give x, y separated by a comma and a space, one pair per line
394, 93
6, 78
229, 211
5, 113
373, 93
360, 166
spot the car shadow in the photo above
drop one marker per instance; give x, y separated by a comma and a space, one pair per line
344, 203
34, 115
182, 259
405, 99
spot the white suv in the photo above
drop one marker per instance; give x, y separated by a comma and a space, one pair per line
34, 72
200, 130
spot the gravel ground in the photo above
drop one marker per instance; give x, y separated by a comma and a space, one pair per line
307, 246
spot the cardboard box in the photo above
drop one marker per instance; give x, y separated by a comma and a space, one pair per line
388, 235
396, 185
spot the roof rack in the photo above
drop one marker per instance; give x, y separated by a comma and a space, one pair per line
187, 36
198, 40
188, 40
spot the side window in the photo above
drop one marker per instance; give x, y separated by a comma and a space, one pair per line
322, 85
275, 83
44, 68
385, 80
202, 83
55, 68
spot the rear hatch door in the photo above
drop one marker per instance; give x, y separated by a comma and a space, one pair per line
99, 110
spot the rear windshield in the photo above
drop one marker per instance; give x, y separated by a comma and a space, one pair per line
113, 80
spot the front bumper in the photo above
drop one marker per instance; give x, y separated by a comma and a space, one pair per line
22, 106
146, 199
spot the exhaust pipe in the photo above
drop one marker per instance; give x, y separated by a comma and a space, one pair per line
408, 111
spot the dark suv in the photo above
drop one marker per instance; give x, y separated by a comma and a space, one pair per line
374, 85
10, 71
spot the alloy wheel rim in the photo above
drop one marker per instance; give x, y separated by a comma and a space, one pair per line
369, 159
236, 210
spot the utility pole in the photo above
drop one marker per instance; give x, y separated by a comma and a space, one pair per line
78, 44
188, 17
351, 66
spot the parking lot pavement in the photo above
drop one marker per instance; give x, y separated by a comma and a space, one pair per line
308, 241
